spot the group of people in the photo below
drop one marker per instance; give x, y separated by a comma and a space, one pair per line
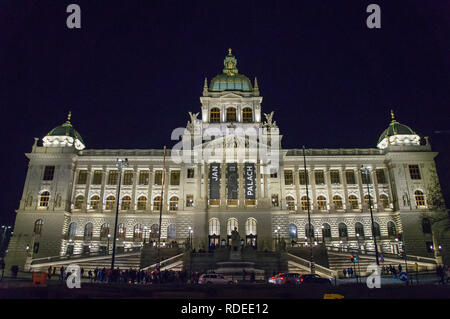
349, 272
391, 270
129, 276
443, 273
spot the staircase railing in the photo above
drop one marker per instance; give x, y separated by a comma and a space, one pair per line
318, 268
164, 262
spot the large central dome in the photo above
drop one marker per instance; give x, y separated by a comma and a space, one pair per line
230, 79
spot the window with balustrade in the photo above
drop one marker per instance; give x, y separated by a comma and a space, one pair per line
288, 177
381, 178
321, 203
319, 177
79, 201
173, 203
353, 202
142, 203
97, 177
414, 172
420, 198
304, 202
384, 201
174, 177
350, 177
95, 202
157, 203
110, 202
113, 177
247, 115
337, 201
231, 114
214, 115
335, 178
143, 177
128, 178
290, 203
126, 203
303, 177
158, 177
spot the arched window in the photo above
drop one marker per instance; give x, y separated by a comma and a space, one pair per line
142, 203
38, 226
104, 230
172, 231
326, 231
137, 231
337, 201
154, 231
121, 231
79, 200
214, 226
247, 115
95, 201
126, 203
304, 203
290, 203
309, 231
231, 114
343, 233
250, 226
392, 231
353, 202
376, 230
321, 203
366, 201
292, 231
173, 203
384, 201
232, 223
157, 203
426, 226
110, 202
359, 230
45, 198
420, 198
72, 232
214, 116
88, 231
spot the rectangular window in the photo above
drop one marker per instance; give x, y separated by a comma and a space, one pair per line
335, 178
175, 178
143, 177
112, 177
288, 177
128, 178
82, 177
273, 174
366, 178
319, 177
190, 173
97, 178
189, 200
381, 178
414, 172
350, 177
158, 177
48, 173
303, 177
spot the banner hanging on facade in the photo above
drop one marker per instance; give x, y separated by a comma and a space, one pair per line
214, 181
232, 183
250, 181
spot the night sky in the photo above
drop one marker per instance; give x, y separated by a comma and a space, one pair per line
135, 68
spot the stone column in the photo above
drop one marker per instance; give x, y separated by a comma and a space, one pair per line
102, 191
198, 175
133, 190
205, 181
266, 187
150, 189
297, 187
282, 199
88, 185
344, 183
166, 198
391, 194
361, 191
241, 196
313, 195
375, 188
330, 193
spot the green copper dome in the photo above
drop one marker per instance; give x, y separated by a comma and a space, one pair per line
66, 129
230, 79
395, 128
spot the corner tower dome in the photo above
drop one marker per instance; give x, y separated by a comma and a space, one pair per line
230, 79
397, 134
64, 135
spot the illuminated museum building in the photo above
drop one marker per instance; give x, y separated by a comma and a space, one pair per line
70, 192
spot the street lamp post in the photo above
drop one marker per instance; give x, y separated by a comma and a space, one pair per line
161, 208
107, 249
309, 213
120, 164
366, 171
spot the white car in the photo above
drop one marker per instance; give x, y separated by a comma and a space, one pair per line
215, 279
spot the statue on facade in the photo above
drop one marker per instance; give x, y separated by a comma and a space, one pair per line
269, 120
235, 239
190, 125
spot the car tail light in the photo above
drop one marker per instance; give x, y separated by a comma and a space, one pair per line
301, 280
281, 278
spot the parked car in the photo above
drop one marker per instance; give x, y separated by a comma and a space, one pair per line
289, 279
314, 279
215, 279
274, 279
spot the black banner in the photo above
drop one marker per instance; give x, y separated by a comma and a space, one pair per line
250, 181
214, 181
232, 183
